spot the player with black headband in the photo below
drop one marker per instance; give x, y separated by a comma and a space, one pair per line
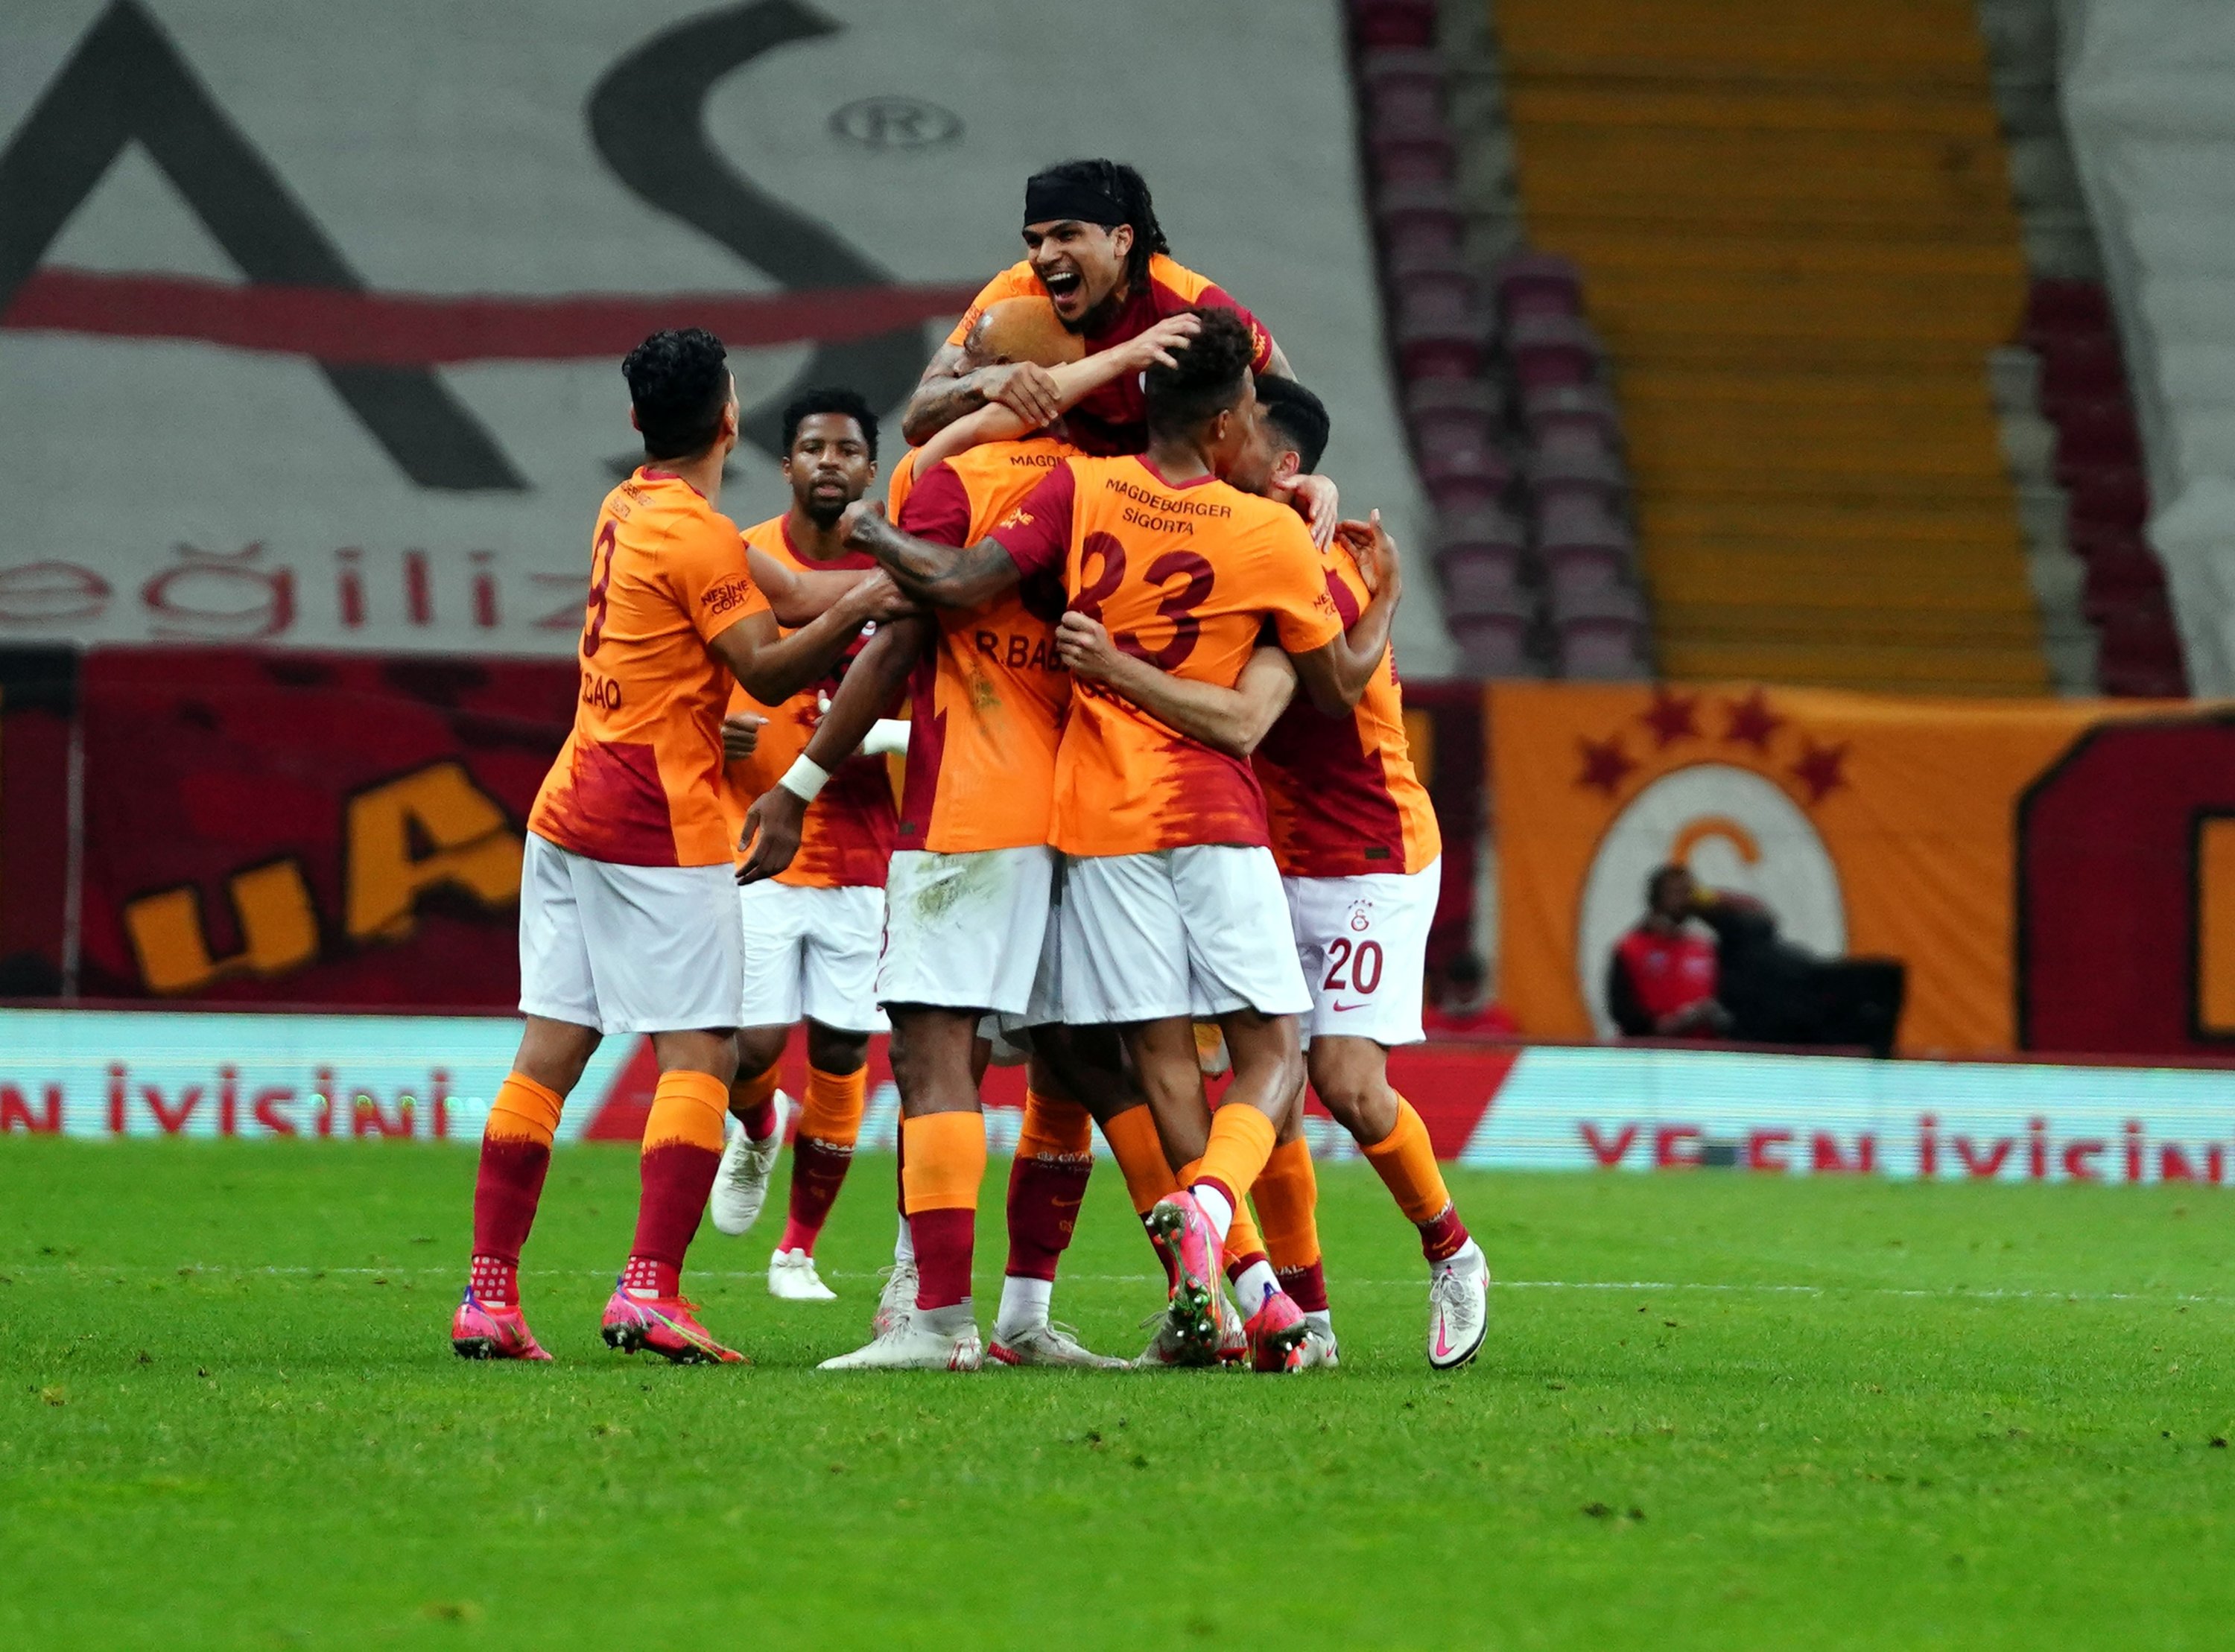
1094, 249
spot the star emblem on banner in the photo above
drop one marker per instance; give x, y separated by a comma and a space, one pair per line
1605, 764
1752, 722
1671, 717
1819, 769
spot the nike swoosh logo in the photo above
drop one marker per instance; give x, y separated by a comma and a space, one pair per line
1339, 1008
1443, 1341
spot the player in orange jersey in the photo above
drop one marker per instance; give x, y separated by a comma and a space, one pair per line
1093, 247
1360, 856
968, 897
1173, 907
627, 922
811, 935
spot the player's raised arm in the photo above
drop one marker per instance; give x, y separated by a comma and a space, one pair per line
798, 596
1232, 720
1354, 657
1034, 536
773, 824
774, 666
1074, 382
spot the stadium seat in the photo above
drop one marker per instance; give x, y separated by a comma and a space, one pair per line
2105, 496
1601, 651
1538, 283
1435, 349
2140, 653
1482, 396
1548, 407
1479, 577
1579, 567
1494, 645
1437, 292
1412, 158
1421, 220
1404, 88
1462, 474
1392, 22
1553, 349
1576, 460
2096, 431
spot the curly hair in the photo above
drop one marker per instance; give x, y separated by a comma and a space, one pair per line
679, 383
1129, 192
1207, 378
831, 399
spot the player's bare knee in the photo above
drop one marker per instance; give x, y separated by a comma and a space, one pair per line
833, 1050
698, 1051
553, 1052
759, 1048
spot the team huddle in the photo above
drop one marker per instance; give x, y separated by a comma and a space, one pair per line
1158, 815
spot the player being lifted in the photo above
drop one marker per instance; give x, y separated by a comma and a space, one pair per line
811, 934
1360, 856
1172, 906
968, 900
1094, 249
626, 924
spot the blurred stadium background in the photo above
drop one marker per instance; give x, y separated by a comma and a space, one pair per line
1812, 428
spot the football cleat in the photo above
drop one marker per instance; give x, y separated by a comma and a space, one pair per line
665, 1325
1459, 1308
741, 1184
1196, 1309
792, 1278
1049, 1344
914, 1345
1277, 1331
479, 1331
1319, 1352
1233, 1333
897, 1300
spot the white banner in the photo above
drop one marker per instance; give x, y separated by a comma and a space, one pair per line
311, 334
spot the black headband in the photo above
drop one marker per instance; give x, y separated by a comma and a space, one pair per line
1048, 200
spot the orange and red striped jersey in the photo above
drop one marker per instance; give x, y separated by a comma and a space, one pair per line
639, 781
989, 699
1185, 576
1110, 419
846, 838
1340, 792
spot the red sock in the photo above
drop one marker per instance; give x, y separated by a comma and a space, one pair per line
1307, 1286
682, 1150
1047, 1182
515, 1154
1443, 1236
818, 1170
947, 1161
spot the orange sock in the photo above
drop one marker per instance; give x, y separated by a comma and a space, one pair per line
1140, 1155
1288, 1195
1054, 1126
1406, 1164
940, 1178
515, 1155
822, 1152
1240, 1142
750, 1096
682, 1150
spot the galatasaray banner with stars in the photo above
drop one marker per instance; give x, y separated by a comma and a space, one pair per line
2056, 875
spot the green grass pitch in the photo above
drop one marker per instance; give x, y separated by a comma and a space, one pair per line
1715, 1411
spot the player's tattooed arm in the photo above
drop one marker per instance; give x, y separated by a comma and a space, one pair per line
1232, 720
773, 667
950, 387
940, 575
778, 816
1337, 675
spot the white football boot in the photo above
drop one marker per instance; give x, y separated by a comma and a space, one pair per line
741, 1184
1049, 1343
1459, 1308
897, 1301
1321, 1352
792, 1278
918, 1343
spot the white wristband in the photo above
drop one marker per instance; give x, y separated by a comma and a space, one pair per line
888, 736
804, 779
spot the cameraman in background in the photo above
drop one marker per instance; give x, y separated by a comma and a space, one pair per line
1668, 980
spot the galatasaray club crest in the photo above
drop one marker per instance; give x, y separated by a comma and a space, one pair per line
1720, 783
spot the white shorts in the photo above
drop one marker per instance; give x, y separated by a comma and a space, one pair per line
626, 948
1199, 931
1363, 942
810, 952
964, 932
